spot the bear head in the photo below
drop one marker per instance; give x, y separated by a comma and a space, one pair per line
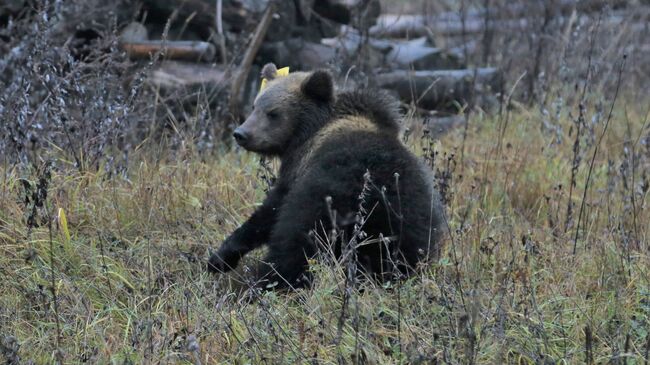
286, 108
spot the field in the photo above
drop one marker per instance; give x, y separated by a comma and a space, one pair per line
535, 270
114, 190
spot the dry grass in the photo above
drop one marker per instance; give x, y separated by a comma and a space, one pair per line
129, 286
147, 190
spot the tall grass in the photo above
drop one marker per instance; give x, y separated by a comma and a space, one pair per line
148, 189
129, 285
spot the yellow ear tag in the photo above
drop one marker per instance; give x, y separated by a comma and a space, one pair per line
281, 73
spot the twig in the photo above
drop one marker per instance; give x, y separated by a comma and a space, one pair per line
55, 304
456, 263
251, 51
104, 266
150, 300
593, 157
487, 34
647, 349
398, 251
463, 15
632, 191
589, 356
539, 53
575, 164
222, 38
503, 124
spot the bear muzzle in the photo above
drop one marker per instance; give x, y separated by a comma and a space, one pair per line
241, 136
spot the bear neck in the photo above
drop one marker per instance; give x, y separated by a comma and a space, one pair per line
308, 123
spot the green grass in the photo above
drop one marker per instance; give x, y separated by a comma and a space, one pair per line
130, 285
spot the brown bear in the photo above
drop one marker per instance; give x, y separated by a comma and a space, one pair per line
343, 168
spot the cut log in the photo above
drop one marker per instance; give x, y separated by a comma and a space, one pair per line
199, 16
411, 26
172, 75
400, 54
350, 40
361, 14
417, 55
297, 54
333, 10
11, 7
173, 50
134, 32
451, 24
442, 89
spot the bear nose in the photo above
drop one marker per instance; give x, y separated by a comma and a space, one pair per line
240, 136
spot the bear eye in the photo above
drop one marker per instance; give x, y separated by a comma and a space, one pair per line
273, 114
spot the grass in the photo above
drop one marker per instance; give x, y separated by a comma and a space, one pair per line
128, 286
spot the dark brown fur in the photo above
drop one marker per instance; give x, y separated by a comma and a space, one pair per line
344, 150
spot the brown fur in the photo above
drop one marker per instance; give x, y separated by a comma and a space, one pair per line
283, 88
340, 155
269, 71
333, 130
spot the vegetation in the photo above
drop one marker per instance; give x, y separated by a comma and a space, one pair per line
112, 193
124, 280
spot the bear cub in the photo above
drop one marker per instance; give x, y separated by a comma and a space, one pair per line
343, 169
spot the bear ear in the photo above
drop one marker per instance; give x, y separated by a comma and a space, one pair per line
269, 71
319, 86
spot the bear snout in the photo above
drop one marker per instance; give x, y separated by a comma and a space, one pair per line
241, 136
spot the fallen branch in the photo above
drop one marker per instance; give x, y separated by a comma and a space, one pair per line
245, 66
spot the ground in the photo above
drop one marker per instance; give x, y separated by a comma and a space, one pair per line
121, 279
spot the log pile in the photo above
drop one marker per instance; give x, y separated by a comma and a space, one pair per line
301, 34
220, 45
217, 45
519, 35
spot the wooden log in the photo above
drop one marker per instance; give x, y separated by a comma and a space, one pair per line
442, 89
173, 50
333, 10
199, 16
411, 26
400, 54
415, 25
11, 7
172, 75
297, 53
361, 14
418, 55
349, 40
134, 32
451, 24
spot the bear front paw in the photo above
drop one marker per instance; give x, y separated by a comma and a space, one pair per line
222, 261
